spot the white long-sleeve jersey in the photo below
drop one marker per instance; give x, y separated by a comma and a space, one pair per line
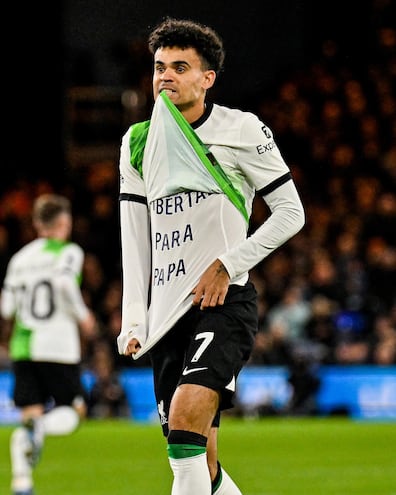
41, 293
176, 220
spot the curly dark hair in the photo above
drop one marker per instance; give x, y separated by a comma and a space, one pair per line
184, 33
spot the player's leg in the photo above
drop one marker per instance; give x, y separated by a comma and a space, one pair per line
191, 414
61, 420
21, 469
189, 409
222, 484
34, 383
221, 346
25, 441
212, 454
186, 447
64, 385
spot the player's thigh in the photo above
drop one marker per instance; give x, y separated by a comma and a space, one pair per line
28, 388
222, 343
167, 359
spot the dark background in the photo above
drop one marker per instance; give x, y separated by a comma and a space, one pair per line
85, 42
321, 72
261, 38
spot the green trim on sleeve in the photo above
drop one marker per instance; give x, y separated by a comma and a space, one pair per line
137, 143
207, 158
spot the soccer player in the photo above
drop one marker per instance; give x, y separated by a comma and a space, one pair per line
41, 296
187, 300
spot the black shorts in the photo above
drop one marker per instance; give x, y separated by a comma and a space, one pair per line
206, 348
46, 383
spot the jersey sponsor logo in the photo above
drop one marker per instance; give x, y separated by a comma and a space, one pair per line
187, 370
263, 148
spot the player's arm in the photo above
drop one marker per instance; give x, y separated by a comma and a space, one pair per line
7, 311
8, 302
67, 282
135, 255
9, 305
286, 219
265, 169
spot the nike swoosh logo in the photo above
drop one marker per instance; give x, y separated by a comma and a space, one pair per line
187, 371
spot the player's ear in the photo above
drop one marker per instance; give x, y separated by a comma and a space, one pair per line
209, 79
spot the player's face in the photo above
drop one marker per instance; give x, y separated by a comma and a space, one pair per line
62, 226
180, 73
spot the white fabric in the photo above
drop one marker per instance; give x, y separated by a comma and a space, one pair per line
136, 265
191, 476
227, 486
170, 163
190, 228
61, 420
287, 219
51, 301
20, 467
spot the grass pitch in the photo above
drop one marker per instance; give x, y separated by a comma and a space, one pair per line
277, 456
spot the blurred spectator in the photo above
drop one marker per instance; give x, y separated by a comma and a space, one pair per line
320, 329
323, 277
381, 270
383, 341
270, 349
290, 315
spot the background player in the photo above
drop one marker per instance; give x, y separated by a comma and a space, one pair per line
41, 296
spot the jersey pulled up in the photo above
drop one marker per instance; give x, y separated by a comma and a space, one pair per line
41, 292
176, 220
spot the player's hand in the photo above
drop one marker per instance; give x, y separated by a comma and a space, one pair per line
212, 288
132, 347
89, 326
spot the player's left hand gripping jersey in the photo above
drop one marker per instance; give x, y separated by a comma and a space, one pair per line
41, 292
176, 220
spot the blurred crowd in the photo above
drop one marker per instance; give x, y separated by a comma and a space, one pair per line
329, 295
331, 292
